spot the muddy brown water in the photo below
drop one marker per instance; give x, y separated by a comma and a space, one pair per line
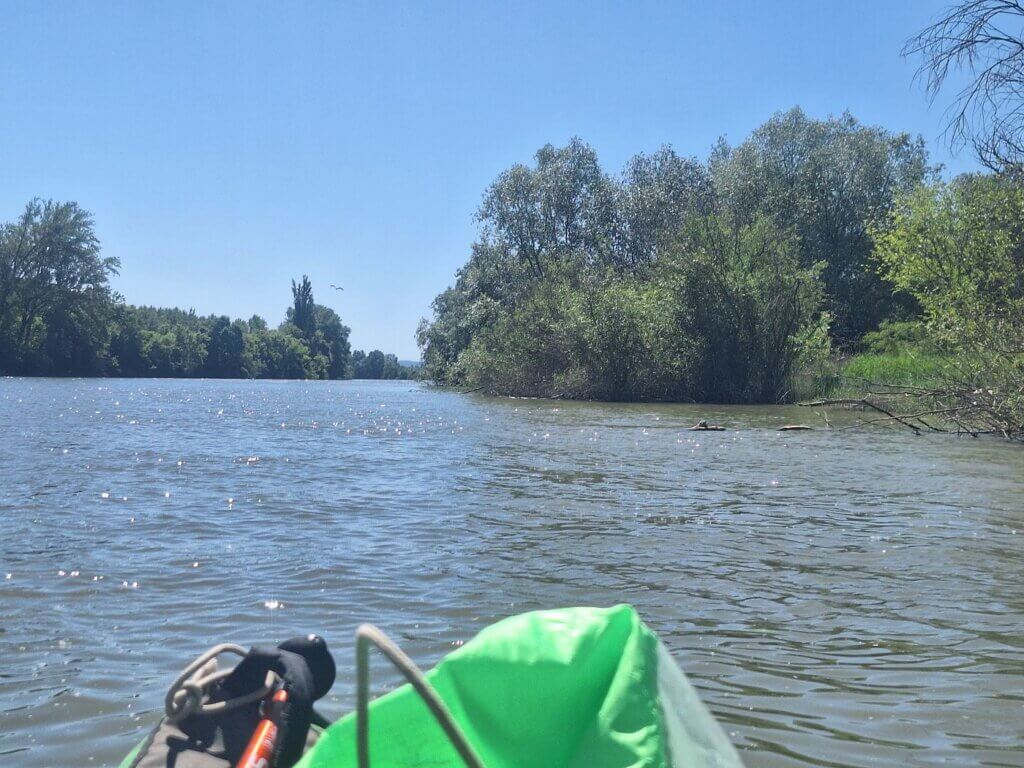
841, 598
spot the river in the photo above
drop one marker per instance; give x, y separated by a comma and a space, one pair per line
845, 597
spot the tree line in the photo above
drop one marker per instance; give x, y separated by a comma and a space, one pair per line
729, 278
678, 279
60, 317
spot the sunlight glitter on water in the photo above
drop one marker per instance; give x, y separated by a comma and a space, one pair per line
839, 598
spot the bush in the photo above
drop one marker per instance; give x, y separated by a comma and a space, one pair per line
958, 248
726, 314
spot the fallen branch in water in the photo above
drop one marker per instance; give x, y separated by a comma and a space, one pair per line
971, 412
864, 402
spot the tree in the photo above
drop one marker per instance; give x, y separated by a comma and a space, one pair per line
288, 358
75, 340
377, 365
356, 363
224, 357
606, 339
656, 194
959, 249
460, 313
58, 316
331, 340
177, 352
320, 328
983, 38
391, 369
563, 213
127, 344
670, 282
563, 207
303, 310
372, 367
749, 307
50, 269
829, 182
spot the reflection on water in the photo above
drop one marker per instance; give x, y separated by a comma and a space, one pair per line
845, 598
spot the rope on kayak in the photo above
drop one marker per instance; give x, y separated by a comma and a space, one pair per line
366, 634
185, 696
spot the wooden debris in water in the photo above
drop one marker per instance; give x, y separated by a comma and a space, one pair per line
703, 426
794, 427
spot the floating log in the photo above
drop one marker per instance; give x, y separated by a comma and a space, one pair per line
794, 427
703, 426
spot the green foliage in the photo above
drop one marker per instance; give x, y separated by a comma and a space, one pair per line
330, 341
677, 280
829, 182
540, 216
58, 316
303, 310
285, 356
586, 340
563, 219
377, 365
724, 315
55, 297
958, 248
147, 341
896, 337
906, 368
321, 329
909, 368
643, 287
224, 349
752, 311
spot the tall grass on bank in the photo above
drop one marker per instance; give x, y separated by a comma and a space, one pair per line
903, 368
855, 375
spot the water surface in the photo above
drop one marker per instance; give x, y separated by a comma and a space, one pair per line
841, 598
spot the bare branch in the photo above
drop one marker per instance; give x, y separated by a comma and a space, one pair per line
985, 40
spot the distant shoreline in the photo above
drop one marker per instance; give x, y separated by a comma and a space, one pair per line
104, 377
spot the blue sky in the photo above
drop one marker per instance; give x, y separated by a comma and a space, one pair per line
225, 148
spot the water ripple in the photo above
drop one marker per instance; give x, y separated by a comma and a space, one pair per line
840, 598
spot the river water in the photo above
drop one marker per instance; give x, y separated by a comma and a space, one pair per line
846, 597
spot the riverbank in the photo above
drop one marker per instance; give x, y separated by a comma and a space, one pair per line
838, 376
913, 388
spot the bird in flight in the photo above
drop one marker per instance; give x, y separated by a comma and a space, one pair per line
337, 287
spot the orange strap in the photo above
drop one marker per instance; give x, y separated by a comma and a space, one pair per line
260, 751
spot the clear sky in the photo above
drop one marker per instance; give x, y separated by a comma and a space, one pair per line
225, 148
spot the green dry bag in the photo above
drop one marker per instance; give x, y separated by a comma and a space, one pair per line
571, 688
